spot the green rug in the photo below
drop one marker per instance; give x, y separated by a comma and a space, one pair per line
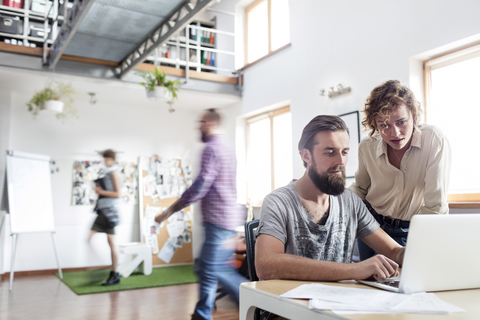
87, 282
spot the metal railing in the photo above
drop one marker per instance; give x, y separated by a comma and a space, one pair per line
180, 42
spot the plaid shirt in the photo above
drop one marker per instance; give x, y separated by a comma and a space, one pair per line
216, 186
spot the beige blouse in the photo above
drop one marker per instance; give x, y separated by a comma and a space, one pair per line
419, 186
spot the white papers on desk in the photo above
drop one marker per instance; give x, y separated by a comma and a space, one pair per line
343, 300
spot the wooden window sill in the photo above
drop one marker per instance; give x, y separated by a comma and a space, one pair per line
464, 205
264, 57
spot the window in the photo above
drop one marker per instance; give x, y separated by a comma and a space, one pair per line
269, 153
453, 104
268, 27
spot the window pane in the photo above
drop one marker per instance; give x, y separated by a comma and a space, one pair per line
259, 181
257, 31
455, 108
280, 23
282, 148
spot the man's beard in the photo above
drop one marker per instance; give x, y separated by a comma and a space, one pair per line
203, 137
332, 184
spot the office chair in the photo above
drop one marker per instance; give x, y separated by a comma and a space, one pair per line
250, 228
250, 237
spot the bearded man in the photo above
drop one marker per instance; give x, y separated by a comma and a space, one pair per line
308, 228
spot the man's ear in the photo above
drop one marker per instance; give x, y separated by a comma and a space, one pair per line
306, 155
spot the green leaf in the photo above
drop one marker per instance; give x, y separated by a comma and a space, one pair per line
157, 77
56, 91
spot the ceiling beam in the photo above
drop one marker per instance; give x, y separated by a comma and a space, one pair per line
177, 20
70, 26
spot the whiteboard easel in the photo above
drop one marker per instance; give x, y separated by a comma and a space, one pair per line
27, 197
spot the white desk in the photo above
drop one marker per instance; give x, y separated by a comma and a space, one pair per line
264, 295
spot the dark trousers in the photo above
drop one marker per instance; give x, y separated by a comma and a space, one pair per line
398, 234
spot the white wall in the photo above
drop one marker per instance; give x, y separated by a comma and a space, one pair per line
135, 128
4, 138
357, 43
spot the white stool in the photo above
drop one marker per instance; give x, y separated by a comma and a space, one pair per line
142, 262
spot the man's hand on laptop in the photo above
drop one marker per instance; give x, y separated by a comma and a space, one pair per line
378, 267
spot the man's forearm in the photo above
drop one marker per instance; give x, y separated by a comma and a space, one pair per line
398, 258
175, 207
287, 266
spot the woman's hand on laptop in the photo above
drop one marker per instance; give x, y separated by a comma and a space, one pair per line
378, 267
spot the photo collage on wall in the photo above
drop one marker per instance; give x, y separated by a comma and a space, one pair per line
86, 172
166, 178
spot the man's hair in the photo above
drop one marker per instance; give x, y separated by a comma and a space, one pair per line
109, 153
387, 97
213, 115
318, 124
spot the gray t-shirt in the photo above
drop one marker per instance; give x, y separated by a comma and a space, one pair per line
283, 217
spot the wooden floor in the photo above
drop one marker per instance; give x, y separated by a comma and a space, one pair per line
46, 297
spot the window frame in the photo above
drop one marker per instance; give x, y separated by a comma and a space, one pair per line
271, 115
455, 200
269, 14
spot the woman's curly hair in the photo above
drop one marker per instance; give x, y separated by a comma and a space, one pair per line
387, 97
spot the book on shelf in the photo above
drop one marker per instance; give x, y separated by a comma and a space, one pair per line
208, 58
207, 37
13, 3
211, 38
193, 34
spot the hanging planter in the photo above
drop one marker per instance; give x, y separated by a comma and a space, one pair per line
157, 85
56, 98
53, 106
160, 93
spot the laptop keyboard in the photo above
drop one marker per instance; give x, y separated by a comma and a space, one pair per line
390, 283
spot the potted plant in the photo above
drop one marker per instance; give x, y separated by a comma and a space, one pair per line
56, 98
157, 85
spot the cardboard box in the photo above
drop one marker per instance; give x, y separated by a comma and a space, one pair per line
39, 6
11, 24
37, 29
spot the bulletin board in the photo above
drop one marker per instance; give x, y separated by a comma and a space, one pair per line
352, 120
161, 182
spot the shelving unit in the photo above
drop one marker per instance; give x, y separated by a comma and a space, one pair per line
34, 23
198, 52
192, 52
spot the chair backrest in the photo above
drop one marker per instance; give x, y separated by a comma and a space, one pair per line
250, 228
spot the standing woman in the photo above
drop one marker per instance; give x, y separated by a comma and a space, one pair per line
108, 189
404, 167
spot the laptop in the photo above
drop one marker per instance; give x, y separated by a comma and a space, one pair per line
442, 253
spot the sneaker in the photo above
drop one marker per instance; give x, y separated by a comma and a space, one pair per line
195, 317
114, 278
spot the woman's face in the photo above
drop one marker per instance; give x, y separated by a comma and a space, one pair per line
397, 128
109, 161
